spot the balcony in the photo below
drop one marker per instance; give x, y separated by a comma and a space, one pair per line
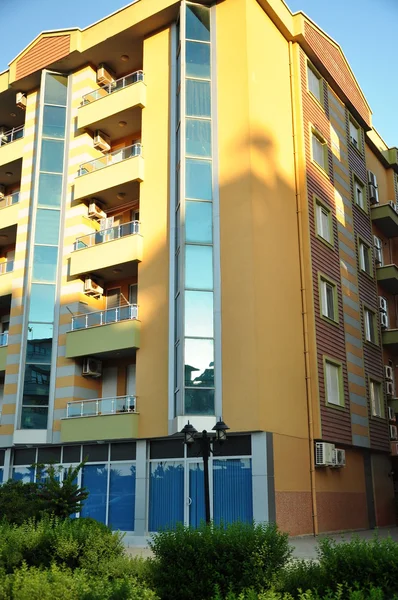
6, 277
3, 350
11, 145
386, 219
120, 101
100, 252
390, 339
110, 172
105, 333
387, 276
9, 217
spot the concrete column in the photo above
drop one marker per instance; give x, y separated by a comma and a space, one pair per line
263, 478
141, 487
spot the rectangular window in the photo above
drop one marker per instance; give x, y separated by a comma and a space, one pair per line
319, 149
333, 383
324, 222
365, 258
376, 399
314, 83
355, 137
328, 299
359, 194
378, 249
370, 326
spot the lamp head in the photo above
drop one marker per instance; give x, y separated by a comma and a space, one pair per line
221, 431
189, 433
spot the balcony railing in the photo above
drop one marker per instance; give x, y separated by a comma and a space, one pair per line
6, 267
101, 406
110, 88
105, 317
107, 235
13, 134
110, 159
3, 339
9, 200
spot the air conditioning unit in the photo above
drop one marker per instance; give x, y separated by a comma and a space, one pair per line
2, 191
391, 414
383, 320
373, 194
101, 141
324, 454
393, 432
388, 374
95, 212
92, 367
393, 205
105, 75
3, 131
92, 289
389, 388
383, 305
339, 457
20, 100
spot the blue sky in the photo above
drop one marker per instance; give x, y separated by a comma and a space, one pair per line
366, 30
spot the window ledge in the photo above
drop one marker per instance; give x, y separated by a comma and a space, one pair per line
330, 321
363, 210
372, 344
320, 104
368, 275
340, 407
357, 150
324, 241
321, 169
378, 418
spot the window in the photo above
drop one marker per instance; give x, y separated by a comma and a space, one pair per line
365, 258
378, 248
370, 326
333, 383
314, 83
319, 149
376, 399
323, 222
355, 136
359, 194
328, 293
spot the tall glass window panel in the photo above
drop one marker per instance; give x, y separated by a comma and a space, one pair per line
198, 137
45, 263
39, 343
199, 314
36, 385
34, 417
199, 267
1, 475
52, 156
198, 179
95, 478
50, 190
42, 298
24, 474
199, 401
166, 495
47, 227
122, 497
199, 363
54, 118
232, 491
198, 23
197, 60
55, 89
199, 222
198, 98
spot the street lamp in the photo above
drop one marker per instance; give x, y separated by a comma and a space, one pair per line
204, 440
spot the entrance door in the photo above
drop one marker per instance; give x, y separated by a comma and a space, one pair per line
196, 497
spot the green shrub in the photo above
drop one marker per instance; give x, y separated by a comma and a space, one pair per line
189, 563
341, 593
20, 502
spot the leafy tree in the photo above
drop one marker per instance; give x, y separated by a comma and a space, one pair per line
19, 502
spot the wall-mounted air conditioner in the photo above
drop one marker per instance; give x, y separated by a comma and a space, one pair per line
391, 414
95, 211
339, 457
388, 373
105, 75
2, 191
101, 141
324, 454
92, 289
20, 100
389, 388
92, 367
393, 432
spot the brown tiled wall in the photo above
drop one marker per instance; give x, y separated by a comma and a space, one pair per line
46, 51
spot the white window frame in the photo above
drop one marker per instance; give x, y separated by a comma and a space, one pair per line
334, 369
370, 325
325, 284
376, 399
363, 250
314, 82
321, 212
355, 135
315, 136
359, 194
378, 250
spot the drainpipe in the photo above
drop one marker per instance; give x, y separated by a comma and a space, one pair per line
303, 297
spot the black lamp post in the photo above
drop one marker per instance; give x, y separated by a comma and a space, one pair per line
204, 440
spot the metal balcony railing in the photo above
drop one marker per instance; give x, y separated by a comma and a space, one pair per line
4, 339
105, 317
9, 200
110, 159
110, 88
6, 267
101, 406
107, 235
13, 134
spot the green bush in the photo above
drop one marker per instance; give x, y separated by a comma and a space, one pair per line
189, 563
20, 502
341, 593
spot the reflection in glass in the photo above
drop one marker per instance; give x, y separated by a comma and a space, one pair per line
166, 495
198, 222
45, 263
42, 298
47, 226
24, 474
34, 417
95, 479
36, 385
198, 179
199, 402
199, 267
52, 156
198, 60
232, 491
199, 363
54, 121
198, 137
39, 343
50, 189
198, 23
55, 89
198, 98
122, 496
199, 314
